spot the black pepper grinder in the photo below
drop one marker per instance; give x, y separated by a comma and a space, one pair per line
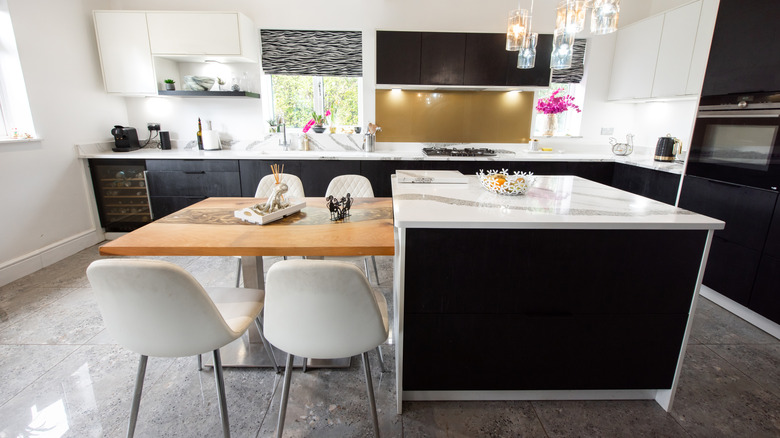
200, 135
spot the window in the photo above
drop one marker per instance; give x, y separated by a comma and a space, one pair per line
15, 114
296, 97
568, 121
3, 124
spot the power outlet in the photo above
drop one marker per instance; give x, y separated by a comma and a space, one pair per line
153, 126
607, 131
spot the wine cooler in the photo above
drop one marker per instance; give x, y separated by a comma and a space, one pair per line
121, 193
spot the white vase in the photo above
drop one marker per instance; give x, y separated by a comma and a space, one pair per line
551, 125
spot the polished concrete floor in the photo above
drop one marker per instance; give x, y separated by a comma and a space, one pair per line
61, 374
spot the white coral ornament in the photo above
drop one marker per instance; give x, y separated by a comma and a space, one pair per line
503, 183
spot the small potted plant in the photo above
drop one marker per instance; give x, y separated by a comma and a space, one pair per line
170, 85
316, 122
221, 83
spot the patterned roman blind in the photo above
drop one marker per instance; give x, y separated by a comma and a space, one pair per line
312, 52
572, 75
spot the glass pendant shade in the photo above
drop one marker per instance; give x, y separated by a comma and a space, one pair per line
526, 57
570, 15
563, 45
604, 19
518, 26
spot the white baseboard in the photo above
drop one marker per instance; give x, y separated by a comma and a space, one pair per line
39, 259
743, 312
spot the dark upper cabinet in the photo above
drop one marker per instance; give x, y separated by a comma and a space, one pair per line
743, 56
398, 57
442, 58
539, 76
485, 62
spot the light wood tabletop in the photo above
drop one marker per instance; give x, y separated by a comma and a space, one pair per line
208, 228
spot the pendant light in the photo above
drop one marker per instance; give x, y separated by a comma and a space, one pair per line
604, 18
518, 26
526, 57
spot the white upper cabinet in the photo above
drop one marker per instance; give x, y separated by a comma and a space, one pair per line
701, 49
125, 57
675, 51
664, 55
633, 67
194, 36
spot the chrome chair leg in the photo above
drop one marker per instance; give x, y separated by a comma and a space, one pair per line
238, 274
381, 359
285, 394
223, 412
139, 385
376, 271
370, 389
305, 363
200, 362
365, 266
267, 346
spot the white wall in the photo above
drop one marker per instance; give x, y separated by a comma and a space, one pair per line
44, 197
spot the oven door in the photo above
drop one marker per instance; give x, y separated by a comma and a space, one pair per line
739, 147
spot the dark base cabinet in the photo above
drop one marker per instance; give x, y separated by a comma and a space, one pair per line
765, 298
658, 185
175, 184
314, 174
615, 320
731, 269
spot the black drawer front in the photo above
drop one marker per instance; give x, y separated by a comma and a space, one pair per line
731, 269
746, 211
193, 165
766, 291
511, 352
195, 183
164, 205
622, 271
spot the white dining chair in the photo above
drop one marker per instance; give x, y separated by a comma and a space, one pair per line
264, 189
156, 308
323, 309
357, 186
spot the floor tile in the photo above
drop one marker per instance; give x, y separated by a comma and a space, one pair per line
760, 362
71, 319
23, 364
471, 419
633, 418
714, 399
713, 324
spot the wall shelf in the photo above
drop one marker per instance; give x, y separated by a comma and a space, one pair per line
183, 93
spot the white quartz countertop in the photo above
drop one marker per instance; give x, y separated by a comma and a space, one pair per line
348, 147
552, 202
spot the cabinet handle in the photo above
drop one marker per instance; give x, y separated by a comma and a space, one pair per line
195, 173
724, 183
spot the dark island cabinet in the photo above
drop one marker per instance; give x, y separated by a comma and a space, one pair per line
654, 184
765, 298
398, 57
175, 184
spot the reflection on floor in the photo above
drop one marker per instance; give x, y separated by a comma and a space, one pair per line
62, 375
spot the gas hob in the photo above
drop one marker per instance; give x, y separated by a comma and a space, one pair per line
455, 152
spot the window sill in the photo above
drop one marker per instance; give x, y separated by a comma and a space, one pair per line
20, 140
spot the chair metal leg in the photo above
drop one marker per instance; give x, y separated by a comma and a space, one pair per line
370, 389
267, 346
365, 267
238, 274
139, 385
285, 394
376, 271
305, 363
223, 412
200, 362
381, 359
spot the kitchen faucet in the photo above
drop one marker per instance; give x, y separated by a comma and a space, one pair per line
284, 143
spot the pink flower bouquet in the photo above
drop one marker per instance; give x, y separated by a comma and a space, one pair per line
556, 104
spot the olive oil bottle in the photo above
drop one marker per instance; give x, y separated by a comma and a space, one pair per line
200, 135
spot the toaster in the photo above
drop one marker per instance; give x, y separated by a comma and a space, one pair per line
125, 139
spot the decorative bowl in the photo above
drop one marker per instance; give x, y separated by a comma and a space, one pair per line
503, 183
198, 83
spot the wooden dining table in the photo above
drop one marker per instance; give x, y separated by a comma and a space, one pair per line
209, 228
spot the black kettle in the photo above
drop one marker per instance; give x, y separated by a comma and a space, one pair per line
667, 148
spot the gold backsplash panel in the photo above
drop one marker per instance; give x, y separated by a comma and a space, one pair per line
454, 116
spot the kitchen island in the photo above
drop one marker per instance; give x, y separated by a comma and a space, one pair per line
575, 290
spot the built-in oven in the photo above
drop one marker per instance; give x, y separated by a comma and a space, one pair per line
736, 139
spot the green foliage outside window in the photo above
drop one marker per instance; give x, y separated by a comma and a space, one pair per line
293, 97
